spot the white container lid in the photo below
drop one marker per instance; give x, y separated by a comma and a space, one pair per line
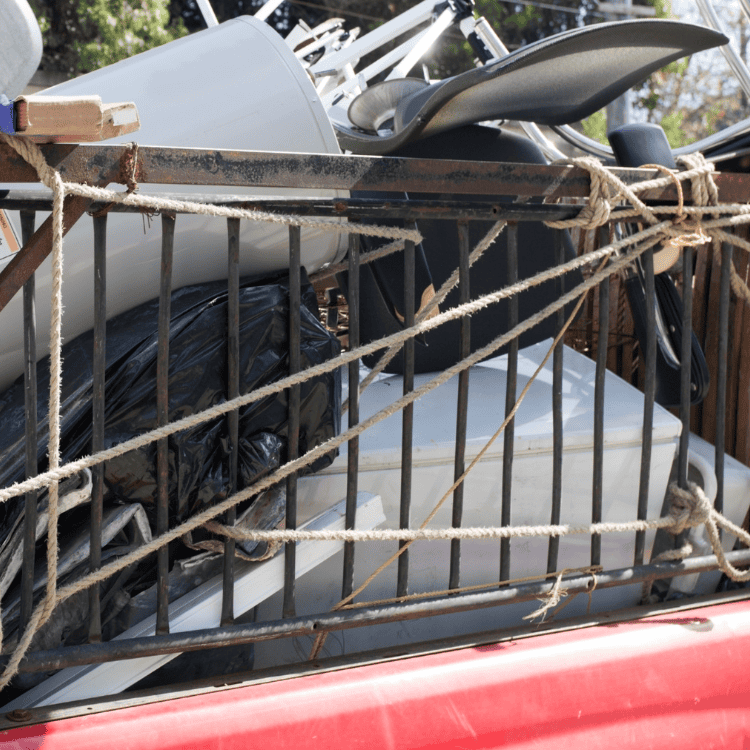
435, 413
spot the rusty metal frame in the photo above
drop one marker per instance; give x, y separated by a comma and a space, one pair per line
102, 165
97, 164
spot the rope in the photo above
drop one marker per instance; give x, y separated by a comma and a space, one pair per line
668, 523
689, 508
703, 187
431, 307
45, 479
51, 178
330, 271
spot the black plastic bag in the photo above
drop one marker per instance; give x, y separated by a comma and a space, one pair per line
197, 379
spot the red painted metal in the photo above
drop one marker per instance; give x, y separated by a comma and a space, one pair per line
679, 680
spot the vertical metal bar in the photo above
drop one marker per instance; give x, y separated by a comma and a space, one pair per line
407, 424
687, 356
462, 405
162, 418
649, 393
352, 454
553, 547
295, 301
721, 373
97, 436
601, 369
32, 468
510, 400
233, 390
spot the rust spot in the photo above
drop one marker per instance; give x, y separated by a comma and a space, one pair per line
18, 714
130, 168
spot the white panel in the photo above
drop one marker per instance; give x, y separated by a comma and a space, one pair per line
233, 86
200, 609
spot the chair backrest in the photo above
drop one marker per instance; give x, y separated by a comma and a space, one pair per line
20, 46
558, 80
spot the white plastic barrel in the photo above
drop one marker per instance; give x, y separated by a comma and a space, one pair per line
234, 86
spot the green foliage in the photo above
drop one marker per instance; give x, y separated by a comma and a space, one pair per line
44, 24
595, 126
527, 16
120, 29
678, 67
672, 125
712, 117
663, 9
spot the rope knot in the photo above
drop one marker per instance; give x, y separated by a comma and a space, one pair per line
688, 508
597, 211
702, 185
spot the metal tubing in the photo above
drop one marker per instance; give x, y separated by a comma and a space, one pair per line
97, 436
362, 208
510, 400
233, 390
687, 355
295, 301
358, 617
462, 406
233, 168
601, 369
407, 417
553, 547
649, 393
721, 373
162, 418
352, 454
30, 395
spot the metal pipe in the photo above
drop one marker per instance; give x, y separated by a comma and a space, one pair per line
162, 418
207, 12
510, 400
185, 166
553, 546
97, 434
462, 405
32, 450
685, 370
721, 373
601, 369
358, 617
352, 454
295, 302
649, 393
352, 208
733, 58
407, 417
233, 418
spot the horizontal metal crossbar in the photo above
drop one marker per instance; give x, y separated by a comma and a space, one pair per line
180, 166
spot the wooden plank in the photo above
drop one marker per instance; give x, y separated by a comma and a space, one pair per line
30, 257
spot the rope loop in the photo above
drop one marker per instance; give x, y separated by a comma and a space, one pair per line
32, 154
702, 185
688, 508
